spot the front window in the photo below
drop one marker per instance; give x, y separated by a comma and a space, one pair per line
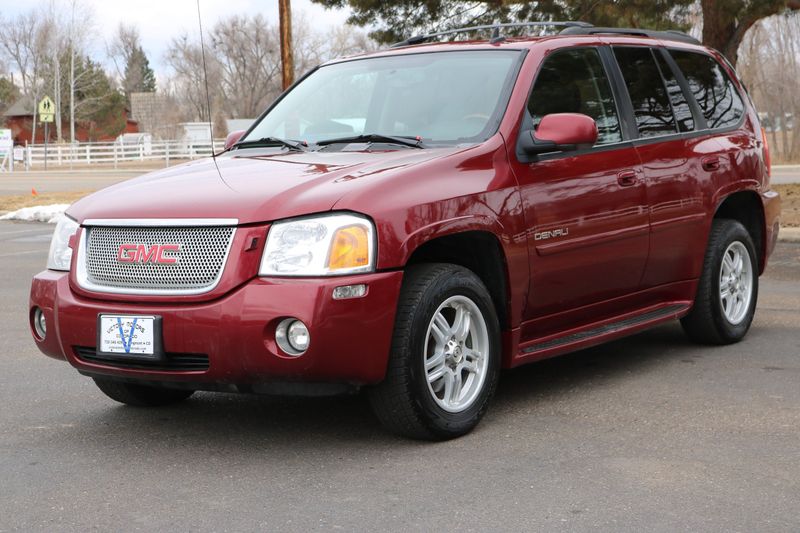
442, 97
574, 81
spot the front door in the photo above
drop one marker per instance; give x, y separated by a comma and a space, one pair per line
586, 211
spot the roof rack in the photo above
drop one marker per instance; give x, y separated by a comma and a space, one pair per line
418, 39
669, 35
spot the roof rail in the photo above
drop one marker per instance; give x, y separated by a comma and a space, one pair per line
669, 35
418, 39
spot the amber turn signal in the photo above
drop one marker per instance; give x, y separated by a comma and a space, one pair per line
349, 248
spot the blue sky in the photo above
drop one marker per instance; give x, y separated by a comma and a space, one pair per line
161, 20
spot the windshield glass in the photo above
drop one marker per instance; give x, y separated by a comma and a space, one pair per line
442, 97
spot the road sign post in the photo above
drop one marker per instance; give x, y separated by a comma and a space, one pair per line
46, 115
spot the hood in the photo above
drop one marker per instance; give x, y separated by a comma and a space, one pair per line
255, 186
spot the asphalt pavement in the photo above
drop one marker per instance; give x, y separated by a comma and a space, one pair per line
649, 433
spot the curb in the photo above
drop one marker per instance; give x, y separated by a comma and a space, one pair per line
789, 235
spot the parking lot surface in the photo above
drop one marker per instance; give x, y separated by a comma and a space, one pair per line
646, 433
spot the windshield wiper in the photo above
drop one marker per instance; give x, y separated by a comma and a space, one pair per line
272, 141
412, 142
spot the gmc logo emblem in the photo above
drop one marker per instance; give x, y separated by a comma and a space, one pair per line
142, 253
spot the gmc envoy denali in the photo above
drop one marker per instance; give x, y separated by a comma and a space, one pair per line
412, 221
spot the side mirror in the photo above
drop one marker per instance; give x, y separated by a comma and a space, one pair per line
233, 138
560, 132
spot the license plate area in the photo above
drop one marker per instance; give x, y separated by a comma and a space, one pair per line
130, 336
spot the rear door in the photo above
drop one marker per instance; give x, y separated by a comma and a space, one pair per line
677, 110
586, 211
671, 160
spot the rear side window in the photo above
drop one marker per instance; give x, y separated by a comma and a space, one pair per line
651, 105
720, 103
574, 81
683, 113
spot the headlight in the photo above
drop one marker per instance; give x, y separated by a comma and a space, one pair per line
60, 253
326, 245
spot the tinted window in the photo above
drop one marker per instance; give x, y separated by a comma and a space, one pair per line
574, 81
651, 106
683, 113
713, 90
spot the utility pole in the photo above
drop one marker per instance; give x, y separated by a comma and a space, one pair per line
287, 56
72, 76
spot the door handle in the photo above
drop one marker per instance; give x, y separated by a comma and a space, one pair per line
627, 178
711, 163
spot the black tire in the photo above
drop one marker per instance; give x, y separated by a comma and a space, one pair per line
706, 323
403, 401
140, 395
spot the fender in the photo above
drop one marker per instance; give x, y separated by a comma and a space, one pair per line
442, 228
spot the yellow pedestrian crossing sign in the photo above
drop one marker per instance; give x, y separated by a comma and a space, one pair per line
47, 110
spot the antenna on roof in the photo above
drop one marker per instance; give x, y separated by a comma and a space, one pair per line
208, 93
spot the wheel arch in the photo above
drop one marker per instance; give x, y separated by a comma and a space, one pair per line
747, 208
478, 250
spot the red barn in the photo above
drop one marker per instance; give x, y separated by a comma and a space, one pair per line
19, 119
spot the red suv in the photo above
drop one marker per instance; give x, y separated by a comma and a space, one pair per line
414, 220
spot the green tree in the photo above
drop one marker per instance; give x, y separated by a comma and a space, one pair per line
725, 22
97, 102
9, 93
395, 21
139, 77
131, 65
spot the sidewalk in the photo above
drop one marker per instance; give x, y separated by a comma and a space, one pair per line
785, 174
789, 235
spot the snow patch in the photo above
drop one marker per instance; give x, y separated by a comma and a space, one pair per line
40, 213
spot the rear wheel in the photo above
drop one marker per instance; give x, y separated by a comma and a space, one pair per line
728, 291
140, 395
445, 358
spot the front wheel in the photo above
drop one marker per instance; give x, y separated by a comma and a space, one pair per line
728, 290
445, 359
140, 395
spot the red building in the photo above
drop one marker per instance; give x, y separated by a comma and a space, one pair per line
19, 119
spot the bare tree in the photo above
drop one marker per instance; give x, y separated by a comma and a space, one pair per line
769, 63
244, 63
188, 80
248, 52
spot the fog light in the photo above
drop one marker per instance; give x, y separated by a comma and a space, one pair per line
39, 323
292, 336
349, 291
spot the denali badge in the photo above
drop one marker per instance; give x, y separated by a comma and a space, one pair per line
142, 253
544, 235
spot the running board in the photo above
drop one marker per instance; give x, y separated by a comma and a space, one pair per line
609, 329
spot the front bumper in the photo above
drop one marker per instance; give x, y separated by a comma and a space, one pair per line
350, 339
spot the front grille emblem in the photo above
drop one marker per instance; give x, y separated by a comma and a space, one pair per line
160, 254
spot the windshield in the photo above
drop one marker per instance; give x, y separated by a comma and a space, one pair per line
442, 97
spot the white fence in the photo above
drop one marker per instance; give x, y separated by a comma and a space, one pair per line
113, 154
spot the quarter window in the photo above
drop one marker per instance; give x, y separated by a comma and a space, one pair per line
651, 104
574, 81
712, 88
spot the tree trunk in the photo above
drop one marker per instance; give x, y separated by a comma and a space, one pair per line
720, 27
71, 94
287, 55
57, 95
724, 28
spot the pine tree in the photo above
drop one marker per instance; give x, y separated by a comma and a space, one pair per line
139, 77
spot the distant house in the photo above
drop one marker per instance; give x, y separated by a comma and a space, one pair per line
239, 124
19, 119
151, 111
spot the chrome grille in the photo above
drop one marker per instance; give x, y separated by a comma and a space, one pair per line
197, 268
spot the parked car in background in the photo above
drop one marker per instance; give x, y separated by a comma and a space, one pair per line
413, 220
